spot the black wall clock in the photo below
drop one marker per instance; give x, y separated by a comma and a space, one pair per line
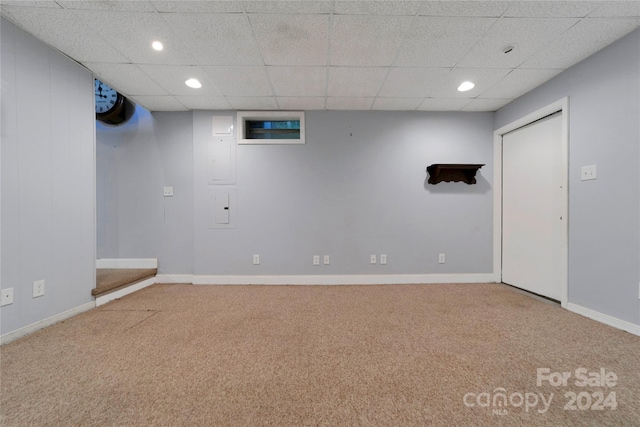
111, 106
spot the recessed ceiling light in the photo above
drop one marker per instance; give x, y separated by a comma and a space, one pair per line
194, 83
157, 45
465, 86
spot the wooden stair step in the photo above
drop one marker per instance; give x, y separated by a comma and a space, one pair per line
110, 279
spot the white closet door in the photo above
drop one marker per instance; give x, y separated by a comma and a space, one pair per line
532, 206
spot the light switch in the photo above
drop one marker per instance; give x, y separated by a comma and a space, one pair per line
588, 173
168, 191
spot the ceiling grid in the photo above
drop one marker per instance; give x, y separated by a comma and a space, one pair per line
325, 54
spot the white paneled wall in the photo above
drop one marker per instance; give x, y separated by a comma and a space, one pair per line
48, 181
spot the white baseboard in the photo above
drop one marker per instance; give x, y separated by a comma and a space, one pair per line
103, 299
127, 263
604, 318
29, 329
174, 278
347, 279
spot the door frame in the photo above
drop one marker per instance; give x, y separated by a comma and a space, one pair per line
561, 105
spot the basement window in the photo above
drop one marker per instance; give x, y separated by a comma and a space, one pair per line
271, 127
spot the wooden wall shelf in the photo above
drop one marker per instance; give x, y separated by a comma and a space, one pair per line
448, 172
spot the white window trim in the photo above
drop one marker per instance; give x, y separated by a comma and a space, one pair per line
243, 116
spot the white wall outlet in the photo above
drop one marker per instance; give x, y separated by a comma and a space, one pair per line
373, 259
6, 296
256, 259
588, 173
38, 288
327, 260
316, 260
383, 258
441, 258
168, 192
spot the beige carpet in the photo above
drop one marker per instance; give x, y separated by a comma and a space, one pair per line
408, 355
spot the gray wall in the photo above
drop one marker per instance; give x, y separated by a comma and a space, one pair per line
48, 180
357, 187
134, 162
604, 226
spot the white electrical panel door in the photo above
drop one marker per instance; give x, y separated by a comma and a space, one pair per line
219, 160
222, 125
221, 208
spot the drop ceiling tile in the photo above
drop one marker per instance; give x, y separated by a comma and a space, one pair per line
28, 3
198, 6
308, 7
528, 35
301, 103
216, 39
397, 104
486, 104
244, 80
441, 42
159, 103
127, 79
581, 41
53, 26
408, 8
366, 36
204, 102
617, 9
367, 40
550, 9
298, 81
352, 103
133, 34
121, 5
172, 77
443, 104
491, 9
355, 81
292, 39
520, 81
407, 82
252, 103
484, 79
